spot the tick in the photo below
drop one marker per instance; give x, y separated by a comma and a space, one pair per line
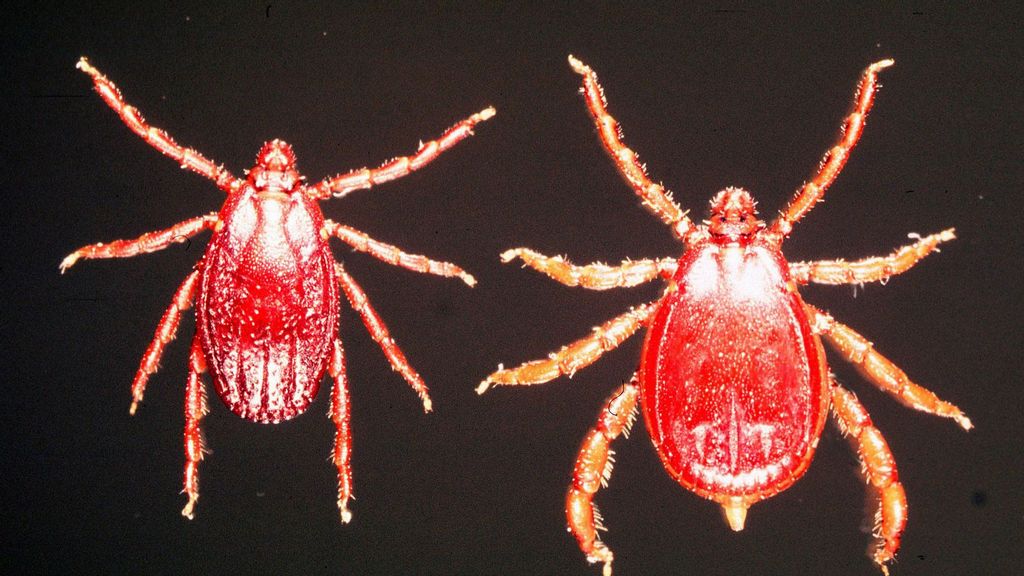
266, 291
733, 381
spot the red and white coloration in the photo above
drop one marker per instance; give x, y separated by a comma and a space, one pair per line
267, 288
733, 381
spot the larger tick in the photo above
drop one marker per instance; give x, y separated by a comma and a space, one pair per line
733, 381
267, 288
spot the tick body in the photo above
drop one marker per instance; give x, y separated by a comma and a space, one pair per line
267, 289
733, 381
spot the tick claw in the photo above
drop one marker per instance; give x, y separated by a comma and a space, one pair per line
188, 510
483, 387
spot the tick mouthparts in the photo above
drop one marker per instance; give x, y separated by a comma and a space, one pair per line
736, 513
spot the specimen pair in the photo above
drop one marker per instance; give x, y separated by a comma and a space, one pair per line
733, 381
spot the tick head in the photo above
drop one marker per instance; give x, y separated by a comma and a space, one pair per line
275, 169
733, 215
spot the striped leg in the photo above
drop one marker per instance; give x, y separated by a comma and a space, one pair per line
195, 409
341, 416
593, 276
869, 269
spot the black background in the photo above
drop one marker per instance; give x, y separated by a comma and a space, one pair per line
709, 97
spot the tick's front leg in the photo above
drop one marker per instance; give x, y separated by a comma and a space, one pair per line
880, 471
379, 332
195, 409
655, 197
148, 242
341, 416
401, 166
155, 137
575, 356
394, 255
593, 470
593, 276
869, 269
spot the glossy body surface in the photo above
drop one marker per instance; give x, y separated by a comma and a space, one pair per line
738, 420
267, 289
733, 382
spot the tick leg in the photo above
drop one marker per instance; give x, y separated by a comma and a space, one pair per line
575, 356
394, 255
593, 470
155, 137
655, 197
379, 332
880, 471
340, 415
365, 178
166, 330
195, 409
880, 371
148, 242
869, 269
834, 160
593, 276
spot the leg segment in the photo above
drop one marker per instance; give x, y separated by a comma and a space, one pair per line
340, 415
148, 242
880, 371
155, 137
880, 471
593, 469
195, 409
394, 255
361, 179
166, 330
655, 197
868, 269
834, 159
593, 276
575, 356
380, 334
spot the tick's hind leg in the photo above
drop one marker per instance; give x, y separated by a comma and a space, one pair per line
593, 276
879, 468
593, 469
836, 157
655, 197
880, 371
195, 409
155, 137
868, 269
379, 332
340, 415
575, 356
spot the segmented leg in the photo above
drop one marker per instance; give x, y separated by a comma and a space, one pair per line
655, 197
880, 371
148, 242
195, 409
394, 255
340, 415
380, 334
365, 178
869, 269
166, 330
593, 276
593, 470
575, 356
834, 159
155, 137
880, 471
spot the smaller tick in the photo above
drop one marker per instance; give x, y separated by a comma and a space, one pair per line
733, 382
267, 288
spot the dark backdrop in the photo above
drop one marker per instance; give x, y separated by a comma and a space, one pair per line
709, 97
